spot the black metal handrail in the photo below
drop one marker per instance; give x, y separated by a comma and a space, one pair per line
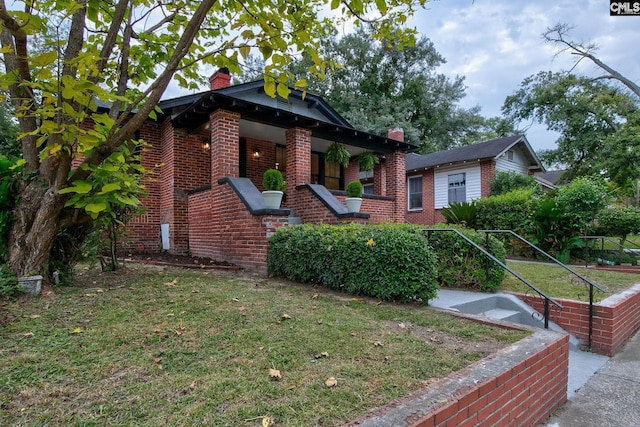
602, 240
547, 299
575, 273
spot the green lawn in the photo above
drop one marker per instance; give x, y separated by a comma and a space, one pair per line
559, 283
182, 347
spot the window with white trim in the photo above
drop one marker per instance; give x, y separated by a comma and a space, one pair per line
457, 188
414, 193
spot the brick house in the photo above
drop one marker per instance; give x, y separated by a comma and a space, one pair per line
462, 174
209, 152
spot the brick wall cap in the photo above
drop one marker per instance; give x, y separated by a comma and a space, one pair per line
251, 196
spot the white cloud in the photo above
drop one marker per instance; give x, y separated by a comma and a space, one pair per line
495, 44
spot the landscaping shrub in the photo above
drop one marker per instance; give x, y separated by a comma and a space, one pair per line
390, 261
463, 213
510, 211
8, 283
505, 182
461, 265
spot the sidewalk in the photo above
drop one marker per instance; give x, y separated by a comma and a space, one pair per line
611, 397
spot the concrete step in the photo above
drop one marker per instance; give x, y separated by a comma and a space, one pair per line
503, 314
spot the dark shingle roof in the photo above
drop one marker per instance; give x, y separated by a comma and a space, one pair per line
551, 176
484, 150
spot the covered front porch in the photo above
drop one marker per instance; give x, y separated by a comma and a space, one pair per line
241, 139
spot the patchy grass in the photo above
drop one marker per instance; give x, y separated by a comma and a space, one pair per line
179, 347
557, 282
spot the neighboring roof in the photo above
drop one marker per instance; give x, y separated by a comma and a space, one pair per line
475, 152
193, 110
551, 176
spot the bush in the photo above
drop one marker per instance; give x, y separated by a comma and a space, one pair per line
505, 182
461, 265
354, 189
509, 211
272, 180
463, 213
389, 262
8, 282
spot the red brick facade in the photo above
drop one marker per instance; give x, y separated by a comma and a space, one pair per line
614, 320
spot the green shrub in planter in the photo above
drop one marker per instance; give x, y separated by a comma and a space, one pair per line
354, 189
460, 265
272, 180
389, 262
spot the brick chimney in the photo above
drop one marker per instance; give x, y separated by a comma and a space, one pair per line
220, 79
397, 134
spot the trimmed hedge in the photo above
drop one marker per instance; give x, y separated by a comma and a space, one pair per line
460, 265
389, 262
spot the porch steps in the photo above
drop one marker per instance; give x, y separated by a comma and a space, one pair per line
499, 306
503, 314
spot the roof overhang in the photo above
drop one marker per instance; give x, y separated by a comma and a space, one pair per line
199, 111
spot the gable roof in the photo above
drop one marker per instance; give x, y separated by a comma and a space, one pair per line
475, 152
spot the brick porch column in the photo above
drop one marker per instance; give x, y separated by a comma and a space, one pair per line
397, 177
225, 145
380, 179
298, 145
487, 174
352, 172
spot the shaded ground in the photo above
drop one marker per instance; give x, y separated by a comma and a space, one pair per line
185, 261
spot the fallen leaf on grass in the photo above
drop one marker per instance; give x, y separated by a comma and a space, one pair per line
377, 344
192, 386
76, 331
30, 316
285, 316
321, 355
267, 422
274, 374
28, 334
171, 284
331, 382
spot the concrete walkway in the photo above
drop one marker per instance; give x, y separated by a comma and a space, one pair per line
610, 397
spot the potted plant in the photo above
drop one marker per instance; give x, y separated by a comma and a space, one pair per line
354, 196
273, 184
367, 161
337, 153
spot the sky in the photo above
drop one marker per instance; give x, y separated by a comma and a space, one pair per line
496, 44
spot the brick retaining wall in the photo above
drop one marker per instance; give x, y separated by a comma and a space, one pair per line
615, 319
521, 385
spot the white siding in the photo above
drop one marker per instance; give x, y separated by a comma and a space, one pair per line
441, 184
518, 164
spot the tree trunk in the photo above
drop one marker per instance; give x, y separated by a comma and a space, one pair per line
34, 230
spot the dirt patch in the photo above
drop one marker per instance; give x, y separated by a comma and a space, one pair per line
485, 346
184, 261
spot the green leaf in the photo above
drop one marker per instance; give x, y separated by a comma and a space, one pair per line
283, 90
96, 208
270, 88
107, 188
382, 6
80, 187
